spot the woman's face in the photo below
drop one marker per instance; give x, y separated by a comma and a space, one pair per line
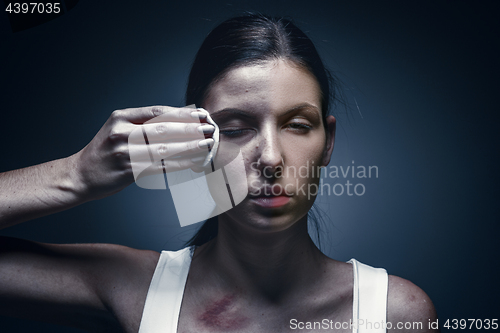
272, 112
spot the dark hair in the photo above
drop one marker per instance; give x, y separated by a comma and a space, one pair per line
247, 40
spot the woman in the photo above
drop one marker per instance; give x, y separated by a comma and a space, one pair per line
253, 268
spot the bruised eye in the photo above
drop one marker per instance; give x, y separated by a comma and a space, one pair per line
233, 133
300, 127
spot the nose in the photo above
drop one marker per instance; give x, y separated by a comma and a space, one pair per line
269, 153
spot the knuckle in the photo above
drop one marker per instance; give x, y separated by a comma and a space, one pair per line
161, 128
157, 111
115, 135
118, 154
162, 150
117, 114
121, 152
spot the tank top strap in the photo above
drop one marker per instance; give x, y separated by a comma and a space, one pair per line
164, 298
369, 309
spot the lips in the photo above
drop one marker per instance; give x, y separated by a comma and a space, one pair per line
270, 196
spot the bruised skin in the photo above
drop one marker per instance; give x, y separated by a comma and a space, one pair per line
223, 315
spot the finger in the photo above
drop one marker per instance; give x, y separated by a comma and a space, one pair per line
185, 115
167, 113
146, 168
166, 166
176, 149
173, 131
158, 151
139, 154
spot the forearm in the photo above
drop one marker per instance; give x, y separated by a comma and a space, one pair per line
39, 190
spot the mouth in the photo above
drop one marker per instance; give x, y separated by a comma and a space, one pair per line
271, 202
270, 196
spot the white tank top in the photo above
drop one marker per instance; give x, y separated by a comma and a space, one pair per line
164, 298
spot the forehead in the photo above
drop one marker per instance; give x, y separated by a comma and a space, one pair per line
273, 85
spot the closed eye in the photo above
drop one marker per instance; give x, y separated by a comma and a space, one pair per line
300, 127
296, 127
233, 133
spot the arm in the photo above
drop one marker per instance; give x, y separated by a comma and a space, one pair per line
410, 305
38, 190
100, 169
98, 287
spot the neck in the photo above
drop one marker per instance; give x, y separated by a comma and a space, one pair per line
274, 264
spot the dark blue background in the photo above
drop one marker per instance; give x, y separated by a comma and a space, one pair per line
423, 74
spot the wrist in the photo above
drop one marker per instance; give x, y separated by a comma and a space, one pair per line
72, 181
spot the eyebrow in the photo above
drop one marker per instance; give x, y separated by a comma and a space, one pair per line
224, 113
302, 106
245, 114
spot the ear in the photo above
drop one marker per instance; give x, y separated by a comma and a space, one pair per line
331, 124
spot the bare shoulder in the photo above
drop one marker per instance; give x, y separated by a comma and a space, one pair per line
115, 267
122, 277
409, 305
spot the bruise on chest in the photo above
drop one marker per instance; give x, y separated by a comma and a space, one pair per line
223, 314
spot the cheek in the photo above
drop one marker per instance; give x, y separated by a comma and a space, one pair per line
309, 151
303, 161
227, 152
